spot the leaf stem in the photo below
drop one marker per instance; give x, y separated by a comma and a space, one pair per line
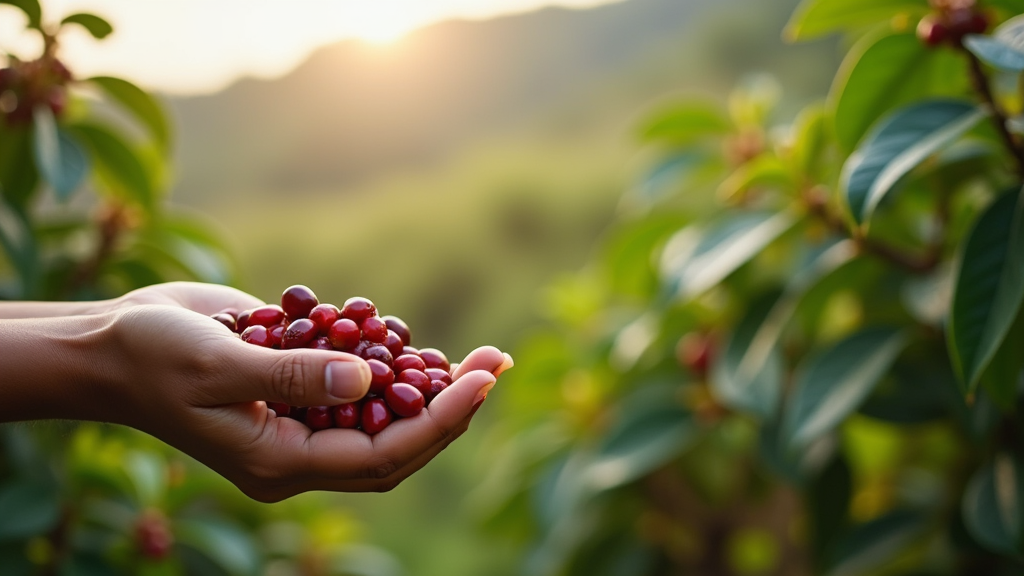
981, 85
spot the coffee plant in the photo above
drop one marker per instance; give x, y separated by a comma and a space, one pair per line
799, 349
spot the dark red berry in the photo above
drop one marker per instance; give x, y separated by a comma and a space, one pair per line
977, 24
321, 343
319, 418
410, 350
276, 333
279, 408
931, 30
436, 387
374, 329
434, 358
378, 352
438, 374
298, 334
344, 334
242, 321
395, 324
298, 413
393, 343
226, 320
269, 315
404, 400
233, 312
416, 378
298, 301
409, 362
153, 535
358, 309
376, 416
360, 348
324, 316
347, 415
257, 335
381, 376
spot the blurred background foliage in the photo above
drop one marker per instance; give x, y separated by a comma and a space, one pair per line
734, 378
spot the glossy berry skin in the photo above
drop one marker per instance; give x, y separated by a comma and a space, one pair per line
257, 335
410, 350
270, 315
404, 400
276, 333
438, 374
436, 387
233, 312
344, 334
226, 320
409, 362
393, 343
297, 301
279, 408
324, 316
398, 326
381, 376
319, 418
298, 334
347, 415
374, 329
378, 352
242, 321
376, 416
321, 343
416, 378
358, 309
434, 358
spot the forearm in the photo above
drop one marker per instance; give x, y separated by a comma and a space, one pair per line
58, 368
16, 310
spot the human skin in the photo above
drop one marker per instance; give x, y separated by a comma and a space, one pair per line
154, 360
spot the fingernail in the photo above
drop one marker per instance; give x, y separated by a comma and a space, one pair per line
508, 363
482, 393
347, 380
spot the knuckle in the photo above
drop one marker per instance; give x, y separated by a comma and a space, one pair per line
288, 376
382, 468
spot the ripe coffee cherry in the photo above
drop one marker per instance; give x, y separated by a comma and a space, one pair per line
358, 309
298, 334
410, 350
395, 324
438, 374
377, 352
324, 316
276, 333
409, 362
233, 312
344, 334
153, 536
270, 315
242, 321
932, 30
257, 335
374, 329
381, 376
404, 400
436, 387
393, 343
319, 418
434, 358
321, 343
226, 320
694, 353
347, 415
298, 413
298, 301
416, 378
376, 416
279, 408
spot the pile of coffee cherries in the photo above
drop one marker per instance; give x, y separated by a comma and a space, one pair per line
404, 379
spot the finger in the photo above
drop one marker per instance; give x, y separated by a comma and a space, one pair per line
486, 358
211, 299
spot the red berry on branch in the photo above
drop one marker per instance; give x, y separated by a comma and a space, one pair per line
153, 535
298, 334
358, 309
376, 416
694, 353
932, 30
297, 301
404, 400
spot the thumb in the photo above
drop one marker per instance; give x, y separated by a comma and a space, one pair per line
302, 377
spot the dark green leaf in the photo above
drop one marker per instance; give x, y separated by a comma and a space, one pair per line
993, 505
59, 158
884, 73
905, 139
832, 385
989, 288
117, 164
875, 543
29, 509
828, 498
817, 17
18, 175
98, 27
141, 104
31, 9
685, 123
995, 53
226, 545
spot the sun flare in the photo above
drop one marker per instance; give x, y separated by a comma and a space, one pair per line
379, 24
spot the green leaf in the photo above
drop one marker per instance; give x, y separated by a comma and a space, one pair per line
117, 164
765, 171
18, 174
148, 474
994, 52
30, 508
141, 104
60, 159
226, 545
833, 384
810, 141
884, 73
874, 544
989, 288
685, 123
98, 27
827, 499
696, 259
904, 140
815, 18
654, 429
993, 505
31, 9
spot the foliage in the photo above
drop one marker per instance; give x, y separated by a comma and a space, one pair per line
798, 350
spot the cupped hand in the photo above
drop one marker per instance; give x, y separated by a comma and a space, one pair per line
188, 380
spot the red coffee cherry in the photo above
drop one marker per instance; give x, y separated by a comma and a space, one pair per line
358, 309
319, 418
434, 358
298, 334
416, 378
270, 315
344, 334
152, 535
324, 316
409, 362
279, 408
321, 343
233, 312
376, 416
257, 335
404, 400
226, 320
276, 333
438, 374
347, 415
298, 413
374, 329
377, 352
242, 321
932, 30
393, 343
410, 350
398, 326
297, 301
436, 387
381, 376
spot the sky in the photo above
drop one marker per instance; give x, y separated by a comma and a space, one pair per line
200, 46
